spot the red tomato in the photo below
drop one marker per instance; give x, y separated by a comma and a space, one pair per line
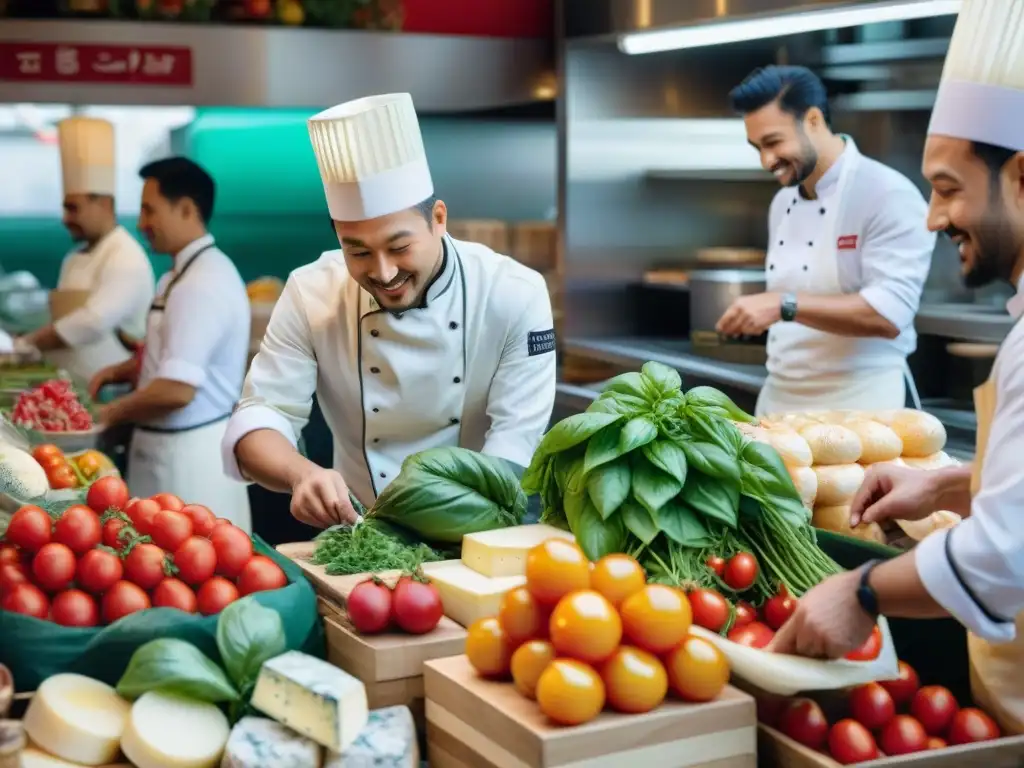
416, 606
61, 477
203, 519
261, 574
755, 634
903, 735
850, 742
141, 513
802, 720
26, 599
54, 567
717, 564
778, 609
145, 565
122, 599
168, 501
170, 529
902, 689
79, 529
98, 570
872, 706
745, 614
369, 606
196, 560
29, 529
935, 707
216, 595
221, 521
871, 648
9, 554
741, 571
107, 493
710, 610
74, 608
11, 574
111, 533
173, 593
234, 549
970, 725
934, 742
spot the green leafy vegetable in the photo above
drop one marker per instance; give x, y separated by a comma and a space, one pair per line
639, 521
652, 487
683, 525
709, 398
716, 499
668, 457
370, 546
608, 486
637, 432
178, 667
248, 635
598, 537
602, 448
573, 431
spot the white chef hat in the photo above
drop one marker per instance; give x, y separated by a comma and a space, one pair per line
371, 157
87, 155
981, 95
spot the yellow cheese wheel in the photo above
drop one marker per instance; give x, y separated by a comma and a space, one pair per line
832, 443
878, 442
837, 519
838, 484
922, 434
806, 482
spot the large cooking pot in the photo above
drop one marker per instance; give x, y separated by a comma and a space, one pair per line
712, 292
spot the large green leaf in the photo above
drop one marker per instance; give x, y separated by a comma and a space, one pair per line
764, 477
709, 428
636, 433
651, 486
668, 457
684, 526
574, 430
710, 460
598, 537
715, 499
716, 402
602, 448
608, 486
665, 379
631, 383
638, 521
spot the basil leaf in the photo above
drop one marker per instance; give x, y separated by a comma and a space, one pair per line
666, 379
710, 460
625, 403
172, 665
764, 477
608, 486
683, 525
248, 634
573, 504
638, 521
606, 405
716, 499
750, 508
668, 457
631, 383
651, 486
598, 537
602, 448
533, 478
638, 432
574, 430
717, 402
715, 430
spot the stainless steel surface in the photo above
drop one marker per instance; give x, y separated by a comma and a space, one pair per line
966, 322
712, 292
574, 397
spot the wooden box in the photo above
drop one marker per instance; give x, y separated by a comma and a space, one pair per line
476, 723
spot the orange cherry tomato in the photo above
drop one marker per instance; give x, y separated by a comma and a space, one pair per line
522, 617
570, 692
488, 648
585, 626
656, 618
554, 568
634, 680
528, 663
617, 577
697, 670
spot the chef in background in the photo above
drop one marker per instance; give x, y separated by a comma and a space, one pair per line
848, 255
974, 160
98, 311
410, 339
196, 347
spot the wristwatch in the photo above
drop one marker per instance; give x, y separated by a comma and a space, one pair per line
866, 595
788, 307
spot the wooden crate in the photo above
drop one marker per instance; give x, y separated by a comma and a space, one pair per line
476, 723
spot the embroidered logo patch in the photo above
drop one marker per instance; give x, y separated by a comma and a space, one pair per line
539, 342
847, 243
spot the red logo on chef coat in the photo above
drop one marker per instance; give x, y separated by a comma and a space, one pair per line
847, 243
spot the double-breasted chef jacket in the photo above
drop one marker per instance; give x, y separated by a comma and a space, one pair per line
474, 366
864, 233
118, 278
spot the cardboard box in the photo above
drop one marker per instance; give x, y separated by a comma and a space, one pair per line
477, 723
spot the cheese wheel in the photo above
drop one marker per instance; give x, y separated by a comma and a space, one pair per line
878, 442
936, 521
806, 482
838, 484
939, 460
77, 718
922, 434
794, 450
832, 443
165, 730
837, 519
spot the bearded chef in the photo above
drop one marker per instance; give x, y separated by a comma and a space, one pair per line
848, 255
409, 339
974, 159
98, 311
196, 346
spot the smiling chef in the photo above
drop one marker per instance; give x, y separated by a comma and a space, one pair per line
848, 255
974, 159
409, 339
106, 283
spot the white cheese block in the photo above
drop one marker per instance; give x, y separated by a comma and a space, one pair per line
503, 552
256, 742
77, 718
170, 731
467, 595
387, 741
312, 697
32, 757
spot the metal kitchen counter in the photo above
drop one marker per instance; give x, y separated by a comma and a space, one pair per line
964, 322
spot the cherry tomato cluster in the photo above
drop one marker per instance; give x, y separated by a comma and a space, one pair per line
63, 471
114, 556
891, 717
53, 406
414, 605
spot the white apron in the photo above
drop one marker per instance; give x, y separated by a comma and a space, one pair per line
997, 671
185, 462
881, 388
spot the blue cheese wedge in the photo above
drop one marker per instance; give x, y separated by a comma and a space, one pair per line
312, 697
387, 741
256, 742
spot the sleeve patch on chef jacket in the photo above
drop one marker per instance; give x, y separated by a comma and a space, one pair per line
540, 342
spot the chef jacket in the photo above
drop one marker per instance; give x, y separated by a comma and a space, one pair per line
474, 366
976, 570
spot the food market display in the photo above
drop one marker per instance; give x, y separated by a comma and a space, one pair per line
53, 406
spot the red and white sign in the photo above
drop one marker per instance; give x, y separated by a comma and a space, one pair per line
847, 243
89, 63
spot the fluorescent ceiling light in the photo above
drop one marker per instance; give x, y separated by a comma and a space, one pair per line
739, 30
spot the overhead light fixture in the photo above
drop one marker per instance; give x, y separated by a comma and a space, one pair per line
740, 30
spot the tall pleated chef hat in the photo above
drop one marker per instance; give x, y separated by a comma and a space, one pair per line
371, 157
87, 156
981, 95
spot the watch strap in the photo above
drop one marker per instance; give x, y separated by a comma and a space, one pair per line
787, 309
866, 595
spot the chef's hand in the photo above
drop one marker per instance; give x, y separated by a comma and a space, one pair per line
751, 315
101, 378
320, 498
828, 622
894, 493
